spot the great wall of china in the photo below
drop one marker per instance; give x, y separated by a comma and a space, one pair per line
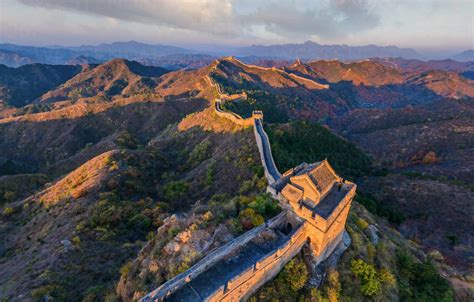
315, 203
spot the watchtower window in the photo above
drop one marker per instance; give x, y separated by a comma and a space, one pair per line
287, 229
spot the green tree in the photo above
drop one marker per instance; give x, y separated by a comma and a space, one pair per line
126, 140
265, 205
334, 288
175, 190
296, 274
250, 218
309, 142
200, 153
370, 284
420, 281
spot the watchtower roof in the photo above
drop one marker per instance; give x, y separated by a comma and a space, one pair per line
315, 187
323, 176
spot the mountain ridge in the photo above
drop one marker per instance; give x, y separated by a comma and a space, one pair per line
313, 50
153, 53
467, 55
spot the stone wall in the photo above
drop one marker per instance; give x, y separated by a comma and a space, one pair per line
244, 285
178, 281
271, 172
263, 143
223, 97
235, 118
326, 233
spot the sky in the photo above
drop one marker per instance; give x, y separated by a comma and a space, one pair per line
425, 25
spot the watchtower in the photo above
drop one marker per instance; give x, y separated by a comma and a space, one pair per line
316, 194
257, 114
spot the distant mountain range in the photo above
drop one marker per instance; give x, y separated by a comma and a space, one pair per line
467, 55
16, 55
311, 50
13, 59
173, 58
128, 50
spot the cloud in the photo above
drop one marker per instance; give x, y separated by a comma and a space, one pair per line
335, 19
213, 16
283, 19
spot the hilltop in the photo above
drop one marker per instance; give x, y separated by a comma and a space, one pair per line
115, 77
23, 85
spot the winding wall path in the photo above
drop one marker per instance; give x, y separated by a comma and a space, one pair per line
271, 170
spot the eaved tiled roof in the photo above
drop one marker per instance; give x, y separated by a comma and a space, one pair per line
292, 193
323, 177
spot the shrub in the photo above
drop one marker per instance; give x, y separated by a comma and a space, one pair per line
7, 211
76, 240
105, 215
111, 297
361, 223
236, 226
49, 292
9, 196
265, 205
295, 274
370, 284
175, 190
173, 231
208, 216
430, 158
420, 281
139, 223
126, 140
113, 165
249, 218
387, 277
93, 293
200, 153
210, 173
246, 186
334, 288
371, 252
125, 269
288, 284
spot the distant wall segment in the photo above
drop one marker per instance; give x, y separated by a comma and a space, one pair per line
271, 171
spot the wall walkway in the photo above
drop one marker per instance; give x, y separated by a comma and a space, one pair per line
168, 290
271, 171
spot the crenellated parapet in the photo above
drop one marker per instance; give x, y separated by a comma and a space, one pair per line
257, 114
